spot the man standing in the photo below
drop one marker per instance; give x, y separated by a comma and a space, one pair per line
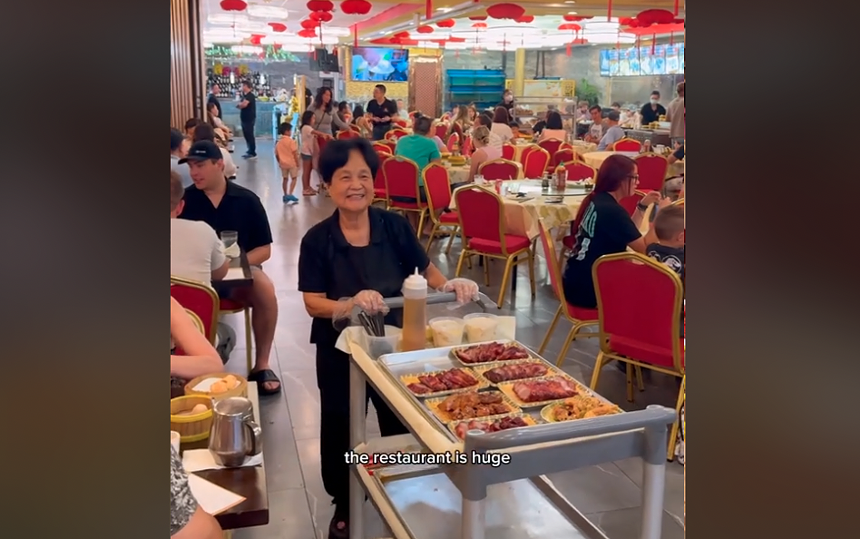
213, 98
675, 115
381, 110
652, 111
613, 133
248, 116
224, 206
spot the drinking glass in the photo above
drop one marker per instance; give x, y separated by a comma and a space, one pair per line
229, 238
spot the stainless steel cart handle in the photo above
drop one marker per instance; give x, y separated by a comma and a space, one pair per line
432, 299
653, 416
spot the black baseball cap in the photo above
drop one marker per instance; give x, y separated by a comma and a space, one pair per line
202, 150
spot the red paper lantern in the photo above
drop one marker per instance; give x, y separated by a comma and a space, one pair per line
425, 29
401, 35
356, 7
320, 5
478, 18
233, 5
321, 16
575, 18
278, 27
309, 24
570, 27
447, 23
525, 19
655, 16
479, 25
255, 39
506, 11
307, 32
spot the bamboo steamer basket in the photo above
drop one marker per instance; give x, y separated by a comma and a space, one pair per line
191, 428
240, 390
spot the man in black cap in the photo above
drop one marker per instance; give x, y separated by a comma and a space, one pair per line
224, 206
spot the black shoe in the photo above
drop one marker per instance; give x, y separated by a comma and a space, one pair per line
251, 156
335, 532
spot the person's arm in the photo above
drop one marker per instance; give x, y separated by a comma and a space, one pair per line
187, 519
258, 255
259, 243
201, 357
669, 113
435, 155
243, 104
477, 160
339, 122
201, 525
435, 278
219, 261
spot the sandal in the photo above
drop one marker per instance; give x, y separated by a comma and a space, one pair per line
309, 192
265, 375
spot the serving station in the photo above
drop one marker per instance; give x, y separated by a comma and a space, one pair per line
487, 479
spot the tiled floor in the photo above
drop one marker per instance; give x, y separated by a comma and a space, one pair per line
300, 509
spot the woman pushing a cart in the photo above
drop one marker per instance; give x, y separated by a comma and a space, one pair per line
356, 257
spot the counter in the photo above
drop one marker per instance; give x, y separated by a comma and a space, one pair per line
657, 136
265, 125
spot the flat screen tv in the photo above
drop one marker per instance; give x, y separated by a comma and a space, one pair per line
373, 64
642, 61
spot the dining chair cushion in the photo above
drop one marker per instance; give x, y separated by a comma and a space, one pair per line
514, 244
450, 217
644, 351
581, 313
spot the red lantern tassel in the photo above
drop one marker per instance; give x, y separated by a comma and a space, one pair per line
568, 48
609, 11
676, 7
429, 11
355, 35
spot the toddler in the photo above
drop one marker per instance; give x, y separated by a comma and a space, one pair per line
669, 247
287, 153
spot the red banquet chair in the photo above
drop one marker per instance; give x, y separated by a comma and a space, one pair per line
321, 142
577, 170
577, 316
400, 123
401, 180
551, 145
466, 149
535, 164
438, 187
562, 156
639, 303
441, 130
200, 299
349, 133
453, 140
630, 203
626, 145
652, 171
395, 134
383, 148
482, 221
379, 193
526, 152
508, 152
499, 169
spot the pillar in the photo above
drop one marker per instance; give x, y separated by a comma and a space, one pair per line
187, 71
519, 71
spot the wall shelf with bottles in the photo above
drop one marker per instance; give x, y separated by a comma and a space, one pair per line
229, 79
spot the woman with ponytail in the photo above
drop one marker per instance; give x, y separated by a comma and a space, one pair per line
604, 227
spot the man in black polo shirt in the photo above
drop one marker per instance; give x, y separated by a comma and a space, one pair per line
224, 205
248, 116
381, 110
652, 110
213, 98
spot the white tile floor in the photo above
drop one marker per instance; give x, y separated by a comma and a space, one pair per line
609, 494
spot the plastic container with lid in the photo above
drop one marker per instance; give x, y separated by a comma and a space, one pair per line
447, 330
480, 327
414, 312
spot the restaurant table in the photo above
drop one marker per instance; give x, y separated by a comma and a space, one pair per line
457, 173
236, 285
249, 482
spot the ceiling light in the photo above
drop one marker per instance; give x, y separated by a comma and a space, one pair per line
336, 31
267, 12
444, 9
569, 2
428, 45
571, 13
226, 18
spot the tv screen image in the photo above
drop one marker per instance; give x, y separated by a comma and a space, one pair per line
373, 64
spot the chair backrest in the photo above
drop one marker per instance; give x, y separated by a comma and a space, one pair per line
526, 152
400, 123
535, 164
441, 130
197, 322
401, 177
382, 148
199, 298
626, 145
577, 170
640, 302
629, 203
438, 187
349, 133
508, 151
499, 169
482, 214
453, 140
552, 266
355, 128
466, 148
562, 156
413, 113
679, 202
652, 171
395, 134
379, 180
551, 145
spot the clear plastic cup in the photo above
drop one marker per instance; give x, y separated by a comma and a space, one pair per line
480, 327
447, 331
379, 346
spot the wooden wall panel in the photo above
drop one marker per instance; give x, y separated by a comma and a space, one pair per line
187, 90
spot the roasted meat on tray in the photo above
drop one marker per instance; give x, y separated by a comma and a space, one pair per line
487, 426
515, 372
470, 405
492, 351
582, 407
442, 381
545, 390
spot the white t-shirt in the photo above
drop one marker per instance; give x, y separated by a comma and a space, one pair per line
183, 171
502, 131
229, 166
307, 140
195, 250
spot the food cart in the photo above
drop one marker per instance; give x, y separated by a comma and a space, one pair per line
473, 500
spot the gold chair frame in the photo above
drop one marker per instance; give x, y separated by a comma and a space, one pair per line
422, 212
437, 224
500, 161
625, 139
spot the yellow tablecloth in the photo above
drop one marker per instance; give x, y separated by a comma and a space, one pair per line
596, 159
457, 173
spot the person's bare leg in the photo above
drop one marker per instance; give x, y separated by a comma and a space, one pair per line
264, 318
306, 178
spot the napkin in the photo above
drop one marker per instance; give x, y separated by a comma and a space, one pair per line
232, 251
212, 498
196, 460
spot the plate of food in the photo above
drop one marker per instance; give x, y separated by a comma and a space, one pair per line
539, 391
471, 405
491, 424
581, 406
438, 383
490, 352
515, 370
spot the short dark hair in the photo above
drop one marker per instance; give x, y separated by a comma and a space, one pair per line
214, 84
192, 123
247, 84
553, 120
616, 104
484, 119
336, 153
501, 116
343, 105
285, 128
593, 107
176, 138
422, 125
203, 132
656, 92
669, 222
381, 87
513, 125
680, 88
307, 117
